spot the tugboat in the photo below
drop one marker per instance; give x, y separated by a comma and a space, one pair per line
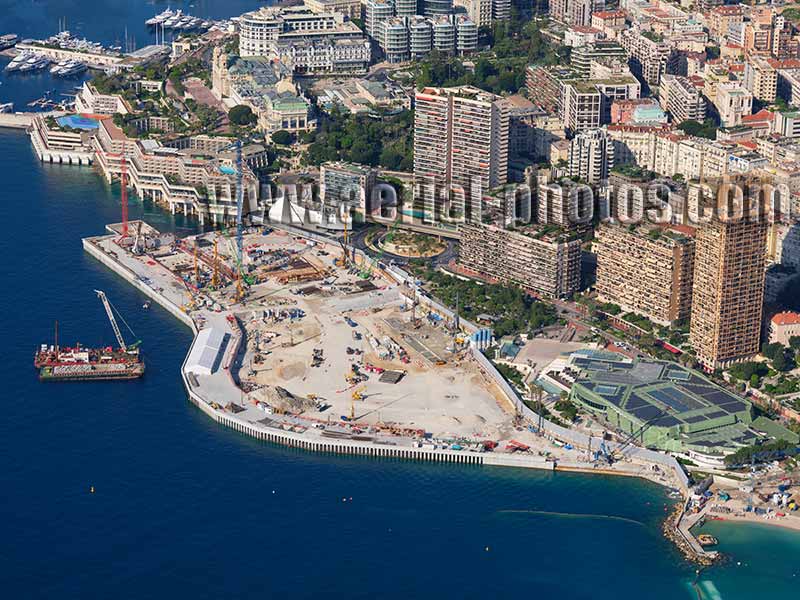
90, 364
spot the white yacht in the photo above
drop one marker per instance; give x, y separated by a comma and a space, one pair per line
74, 67
160, 18
18, 61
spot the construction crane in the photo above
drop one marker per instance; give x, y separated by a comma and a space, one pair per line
138, 245
620, 449
238, 250
120, 340
239, 200
124, 193
343, 260
215, 272
196, 269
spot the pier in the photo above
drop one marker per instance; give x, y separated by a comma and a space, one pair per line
24, 120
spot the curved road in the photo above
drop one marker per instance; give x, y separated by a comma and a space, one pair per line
358, 240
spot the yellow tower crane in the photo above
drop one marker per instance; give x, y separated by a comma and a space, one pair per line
215, 273
196, 269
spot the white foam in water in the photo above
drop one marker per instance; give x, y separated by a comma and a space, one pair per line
710, 591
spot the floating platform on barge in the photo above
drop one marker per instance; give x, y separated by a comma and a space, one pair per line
90, 364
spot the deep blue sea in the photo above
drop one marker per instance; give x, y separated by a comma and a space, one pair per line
185, 508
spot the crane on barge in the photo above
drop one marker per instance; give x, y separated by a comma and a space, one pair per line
132, 349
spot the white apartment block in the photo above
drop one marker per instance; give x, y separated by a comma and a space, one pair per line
733, 102
761, 79
591, 156
575, 12
680, 98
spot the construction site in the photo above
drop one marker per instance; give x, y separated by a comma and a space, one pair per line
325, 336
304, 340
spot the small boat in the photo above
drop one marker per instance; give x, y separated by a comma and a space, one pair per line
705, 539
146, 305
7, 107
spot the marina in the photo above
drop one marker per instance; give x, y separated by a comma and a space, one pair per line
177, 20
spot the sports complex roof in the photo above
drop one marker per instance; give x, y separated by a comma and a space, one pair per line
674, 406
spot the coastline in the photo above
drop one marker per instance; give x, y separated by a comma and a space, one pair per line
215, 394
208, 399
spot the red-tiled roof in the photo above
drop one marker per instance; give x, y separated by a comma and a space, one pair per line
786, 318
762, 115
609, 14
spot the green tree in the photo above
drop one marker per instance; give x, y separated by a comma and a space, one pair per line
772, 351
241, 115
283, 138
706, 129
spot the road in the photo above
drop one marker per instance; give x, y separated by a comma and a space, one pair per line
358, 240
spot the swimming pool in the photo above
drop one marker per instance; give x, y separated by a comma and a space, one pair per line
77, 122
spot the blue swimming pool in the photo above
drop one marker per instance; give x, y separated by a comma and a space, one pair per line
77, 122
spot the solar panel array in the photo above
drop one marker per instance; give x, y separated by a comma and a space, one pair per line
663, 394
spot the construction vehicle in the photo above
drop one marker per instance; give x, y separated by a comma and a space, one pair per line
359, 393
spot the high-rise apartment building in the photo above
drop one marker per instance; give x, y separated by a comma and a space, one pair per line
565, 204
728, 287
347, 183
647, 270
376, 13
430, 8
591, 156
575, 12
581, 58
405, 8
545, 263
479, 11
581, 105
681, 98
501, 10
761, 79
460, 139
648, 54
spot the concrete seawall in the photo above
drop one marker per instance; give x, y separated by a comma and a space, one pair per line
23, 120
90, 247
16, 121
